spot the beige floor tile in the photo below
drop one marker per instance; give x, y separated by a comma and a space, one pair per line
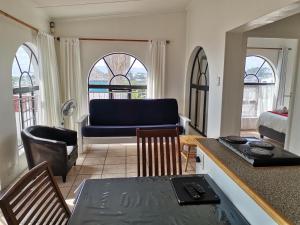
91, 169
80, 178
131, 175
94, 161
74, 170
115, 160
113, 175
131, 160
80, 160
131, 146
72, 193
131, 168
65, 191
131, 152
116, 153
108, 169
116, 147
98, 147
69, 181
96, 154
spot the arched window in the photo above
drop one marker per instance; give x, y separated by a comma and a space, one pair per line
25, 83
259, 86
199, 87
117, 76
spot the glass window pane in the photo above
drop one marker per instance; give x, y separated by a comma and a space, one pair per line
100, 74
138, 74
120, 80
119, 63
258, 70
251, 79
23, 58
253, 63
127, 70
266, 74
15, 74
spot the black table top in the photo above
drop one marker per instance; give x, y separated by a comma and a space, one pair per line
146, 200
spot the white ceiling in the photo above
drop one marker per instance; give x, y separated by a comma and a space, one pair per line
90, 8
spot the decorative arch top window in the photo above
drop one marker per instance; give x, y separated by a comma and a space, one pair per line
117, 76
199, 88
25, 83
258, 71
259, 87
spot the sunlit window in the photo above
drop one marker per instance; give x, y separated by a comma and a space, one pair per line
259, 86
117, 76
25, 83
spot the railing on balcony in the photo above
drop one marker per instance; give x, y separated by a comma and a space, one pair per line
117, 92
26, 109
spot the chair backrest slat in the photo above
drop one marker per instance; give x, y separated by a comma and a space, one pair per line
168, 162
173, 155
35, 199
158, 152
156, 162
162, 156
150, 156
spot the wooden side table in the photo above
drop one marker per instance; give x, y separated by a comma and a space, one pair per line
191, 143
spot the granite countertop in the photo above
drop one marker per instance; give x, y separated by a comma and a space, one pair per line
273, 188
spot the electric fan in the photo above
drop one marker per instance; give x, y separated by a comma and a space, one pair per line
67, 109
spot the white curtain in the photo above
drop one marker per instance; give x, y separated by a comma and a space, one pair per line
256, 100
49, 84
71, 80
156, 75
280, 84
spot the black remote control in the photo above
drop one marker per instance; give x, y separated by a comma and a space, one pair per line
198, 188
192, 191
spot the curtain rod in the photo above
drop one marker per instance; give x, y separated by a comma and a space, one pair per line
19, 21
264, 48
112, 39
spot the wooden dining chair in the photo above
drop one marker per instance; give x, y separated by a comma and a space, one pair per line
35, 199
158, 152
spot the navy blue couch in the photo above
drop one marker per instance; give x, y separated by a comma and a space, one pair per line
121, 117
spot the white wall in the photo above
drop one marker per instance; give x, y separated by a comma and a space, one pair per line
162, 26
208, 23
12, 36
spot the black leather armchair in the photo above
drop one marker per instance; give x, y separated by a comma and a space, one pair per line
57, 146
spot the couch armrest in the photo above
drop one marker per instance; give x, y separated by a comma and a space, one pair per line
65, 135
82, 122
184, 121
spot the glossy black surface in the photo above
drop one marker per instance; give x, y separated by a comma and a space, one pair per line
277, 156
147, 200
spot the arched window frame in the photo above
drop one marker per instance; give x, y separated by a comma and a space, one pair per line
255, 75
199, 87
117, 88
25, 105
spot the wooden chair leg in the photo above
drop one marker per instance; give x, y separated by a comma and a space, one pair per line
187, 158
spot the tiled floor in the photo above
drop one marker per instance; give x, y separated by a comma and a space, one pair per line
99, 162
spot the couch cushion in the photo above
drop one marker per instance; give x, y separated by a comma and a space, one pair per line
119, 131
124, 112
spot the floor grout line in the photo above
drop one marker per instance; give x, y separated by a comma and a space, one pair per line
107, 149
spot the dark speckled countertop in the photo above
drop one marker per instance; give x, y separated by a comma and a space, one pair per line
276, 189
